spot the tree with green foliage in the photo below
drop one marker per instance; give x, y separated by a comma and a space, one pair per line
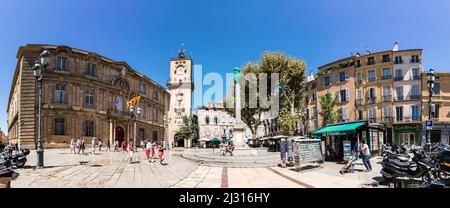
327, 103
292, 73
188, 130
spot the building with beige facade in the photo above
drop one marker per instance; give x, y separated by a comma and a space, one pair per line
214, 122
181, 87
382, 88
440, 108
84, 95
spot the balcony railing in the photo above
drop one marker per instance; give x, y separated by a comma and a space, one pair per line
114, 112
371, 100
385, 77
416, 77
413, 118
387, 118
387, 98
399, 98
414, 97
358, 82
384, 60
398, 61
414, 60
359, 101
372, 120
398, 78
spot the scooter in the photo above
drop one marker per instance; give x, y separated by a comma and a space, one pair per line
18, 159
394, 167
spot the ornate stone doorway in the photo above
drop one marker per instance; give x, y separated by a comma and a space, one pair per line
120, 134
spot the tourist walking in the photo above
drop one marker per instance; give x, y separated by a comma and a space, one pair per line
72, 146
108, 145
148, 146
365, 155
116, 145
100, 144
161, 153
79, 145
83, 146
152, 151
124, 147
130, 151
142, 145
94, 145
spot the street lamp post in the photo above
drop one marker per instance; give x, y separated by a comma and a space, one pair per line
431, 77
38, 71
134, 114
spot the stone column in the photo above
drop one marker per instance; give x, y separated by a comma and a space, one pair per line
110, 132
238, 126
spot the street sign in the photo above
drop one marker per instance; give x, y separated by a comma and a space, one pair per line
429, 124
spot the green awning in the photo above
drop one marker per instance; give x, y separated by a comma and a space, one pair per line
339, 129
216, 140
226, 140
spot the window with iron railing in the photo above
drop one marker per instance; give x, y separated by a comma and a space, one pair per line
398, 60
371, 61
371, 100
415, 59
387, 98
386, 58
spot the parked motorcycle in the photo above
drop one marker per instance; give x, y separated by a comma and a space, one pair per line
18, 159
419, 167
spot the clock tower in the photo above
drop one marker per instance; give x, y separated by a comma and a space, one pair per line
181, 87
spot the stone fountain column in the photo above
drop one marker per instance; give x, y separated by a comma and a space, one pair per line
238, 137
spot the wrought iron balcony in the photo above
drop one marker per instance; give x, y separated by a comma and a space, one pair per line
385, 77
399, 98
372, 120
371, 100
386, 59
358, 82
398, 78
387, 98
414, 60
117, 113
359, 101
414, 97
387, 118
415, 77
397, 61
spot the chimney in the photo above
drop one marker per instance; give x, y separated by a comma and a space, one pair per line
395, 47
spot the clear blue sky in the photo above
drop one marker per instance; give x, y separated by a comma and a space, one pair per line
222, 34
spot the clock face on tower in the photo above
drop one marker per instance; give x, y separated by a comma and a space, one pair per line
180, 69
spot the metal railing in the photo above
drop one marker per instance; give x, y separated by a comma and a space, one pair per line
385, 77
398, 78
387, 98
359, 101
371, 100
414, 97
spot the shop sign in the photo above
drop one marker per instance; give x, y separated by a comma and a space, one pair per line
406, 128
429, 124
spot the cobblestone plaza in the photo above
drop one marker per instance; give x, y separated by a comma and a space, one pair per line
113, 170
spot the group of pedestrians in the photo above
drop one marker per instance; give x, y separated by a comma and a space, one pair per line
78, 146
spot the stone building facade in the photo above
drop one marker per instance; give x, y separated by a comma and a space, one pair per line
181, 87
3, 137
84, 95
382, 87
440, 108
214, 122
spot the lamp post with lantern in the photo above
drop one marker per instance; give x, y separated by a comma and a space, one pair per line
38, 71
431, 78
135, 111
